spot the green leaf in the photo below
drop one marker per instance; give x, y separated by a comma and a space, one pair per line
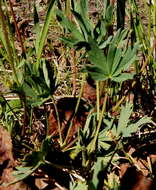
84, 14
105, 43
123, 77
119, 37
125, 114
2, 38
69, 41
30, 93
97, 57
78, 186
132, 128
80, 12
46, 146
109, 14
22, 173
110, 57
100, 32
44, 32
37, 28
128, 58
84, 8
144, 120
45, 72
96, 73
117, 60
100, 165
82, 24
112, 66
72, 28
34, 158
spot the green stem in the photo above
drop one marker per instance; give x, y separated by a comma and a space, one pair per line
7, 43
93, 145
98, 100
11, 35
76, 109
114, 108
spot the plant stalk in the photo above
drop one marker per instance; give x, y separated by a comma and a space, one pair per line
7, 43
98, 100
76, 109
93, 145
17, 29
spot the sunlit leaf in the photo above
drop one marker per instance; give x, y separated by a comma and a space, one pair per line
125, 114
44, 32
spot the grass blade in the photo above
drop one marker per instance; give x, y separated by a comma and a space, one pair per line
44, 32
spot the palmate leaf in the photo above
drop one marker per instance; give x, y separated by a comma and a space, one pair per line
125, 126
119, 37
71, 27
134, 127
105, 43
100, 165
83, 29
123, 77
117, 59
80, 12
126, 60
114, 64
84, 8
71, 42
22, 173
82, 24
38, 88
125, 114
32, 162
96, 73
110, 57
97, 57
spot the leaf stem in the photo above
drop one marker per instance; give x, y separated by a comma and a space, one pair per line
77, 106
93, 146
98, 100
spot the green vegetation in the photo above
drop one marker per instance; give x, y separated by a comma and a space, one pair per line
55, 129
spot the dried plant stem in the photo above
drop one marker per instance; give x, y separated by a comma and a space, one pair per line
58, 120
17, 29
